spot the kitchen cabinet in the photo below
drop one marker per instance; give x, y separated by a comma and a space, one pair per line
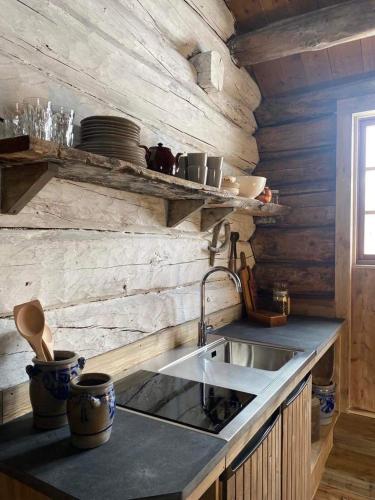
275, 464
13, 489
256, 472
296, 443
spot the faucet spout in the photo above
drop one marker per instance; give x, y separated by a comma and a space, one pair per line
203, 328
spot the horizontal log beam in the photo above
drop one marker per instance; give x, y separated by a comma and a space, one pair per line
302, 281
311, 167
98, 265
293, 136
308, 217
312, 104
294, 245
315, 30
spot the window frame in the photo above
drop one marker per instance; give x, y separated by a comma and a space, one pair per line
361, 257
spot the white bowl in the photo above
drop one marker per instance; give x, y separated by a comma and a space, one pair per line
251, 185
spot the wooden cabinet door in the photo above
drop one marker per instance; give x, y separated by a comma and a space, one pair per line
296, 443
256, 473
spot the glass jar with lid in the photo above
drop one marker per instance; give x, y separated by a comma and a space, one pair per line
280, 298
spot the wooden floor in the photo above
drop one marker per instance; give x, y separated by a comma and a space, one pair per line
350, 469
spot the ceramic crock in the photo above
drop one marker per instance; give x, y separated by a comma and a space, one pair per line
49, 388
327, 397
91, 409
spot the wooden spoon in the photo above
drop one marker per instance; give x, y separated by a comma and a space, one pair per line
47, 343
30, 323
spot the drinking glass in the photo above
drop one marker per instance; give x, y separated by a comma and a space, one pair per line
12, 124
38, 118
35, 115
62, 126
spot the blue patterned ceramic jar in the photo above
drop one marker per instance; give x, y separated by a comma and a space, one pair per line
91, 409
327, 397
49, 388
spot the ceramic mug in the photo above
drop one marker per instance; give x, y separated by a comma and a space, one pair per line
197, 159
215, 173
327, 397
91, 409
215, 162
214, 176
182, 167
49, 388
197, 173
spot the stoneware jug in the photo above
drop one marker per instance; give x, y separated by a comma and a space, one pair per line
161, 159
91, 409
49, 388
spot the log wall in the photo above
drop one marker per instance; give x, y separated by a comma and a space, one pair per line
298, 156
103, 263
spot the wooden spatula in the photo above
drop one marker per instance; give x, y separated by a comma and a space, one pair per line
30, 323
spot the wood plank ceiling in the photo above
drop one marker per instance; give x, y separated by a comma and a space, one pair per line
296, 72
312, 68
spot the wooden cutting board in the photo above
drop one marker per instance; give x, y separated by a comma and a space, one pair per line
245, 279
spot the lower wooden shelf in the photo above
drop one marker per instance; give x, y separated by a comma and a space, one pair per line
320, 451
26, 164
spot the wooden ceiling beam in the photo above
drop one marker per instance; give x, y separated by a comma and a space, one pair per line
312, 103
315, 30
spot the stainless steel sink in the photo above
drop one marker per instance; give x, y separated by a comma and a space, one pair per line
250, 355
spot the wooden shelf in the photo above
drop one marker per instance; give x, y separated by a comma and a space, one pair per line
325, 436
320, 451
28, 164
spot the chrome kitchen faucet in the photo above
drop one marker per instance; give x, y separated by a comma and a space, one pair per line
203, 328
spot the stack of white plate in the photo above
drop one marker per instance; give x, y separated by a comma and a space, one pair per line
112, 136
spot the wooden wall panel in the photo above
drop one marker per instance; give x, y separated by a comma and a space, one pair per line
362, 395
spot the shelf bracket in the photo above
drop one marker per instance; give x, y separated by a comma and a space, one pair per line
180, 210
212, 216
20, 183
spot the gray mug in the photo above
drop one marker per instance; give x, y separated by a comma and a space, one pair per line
197, 173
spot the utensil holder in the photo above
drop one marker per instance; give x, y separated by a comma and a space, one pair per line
91, 409
49, 388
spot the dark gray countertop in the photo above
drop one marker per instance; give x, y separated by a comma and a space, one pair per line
301, 332
144, 457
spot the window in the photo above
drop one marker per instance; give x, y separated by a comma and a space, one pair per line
366, 191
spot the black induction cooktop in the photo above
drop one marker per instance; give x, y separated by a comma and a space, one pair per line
195, 404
